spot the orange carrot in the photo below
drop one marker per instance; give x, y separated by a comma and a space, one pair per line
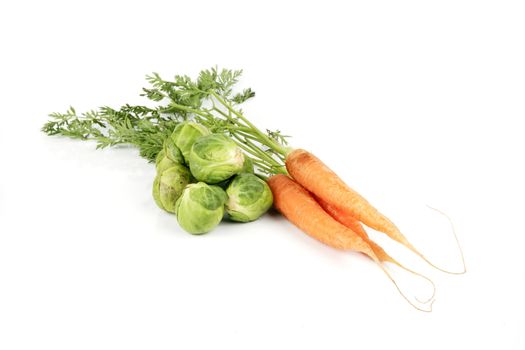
301, 208
316, 177
348, 221
356, 226
298, 206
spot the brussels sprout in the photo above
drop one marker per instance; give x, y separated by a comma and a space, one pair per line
249, 197
162, 162
168, 156
200, 207
247, 167
168, 186
185, 135
172, 152
215, 158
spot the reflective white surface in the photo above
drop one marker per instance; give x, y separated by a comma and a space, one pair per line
411, 103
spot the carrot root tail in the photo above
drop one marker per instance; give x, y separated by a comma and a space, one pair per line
460, 249
419, 275
429, 302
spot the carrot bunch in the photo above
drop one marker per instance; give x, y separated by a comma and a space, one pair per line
305, 190
318, 202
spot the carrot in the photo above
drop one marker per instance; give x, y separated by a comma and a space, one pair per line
355, 226
300, 207
316, 177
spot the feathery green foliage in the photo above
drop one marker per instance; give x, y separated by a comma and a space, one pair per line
209, 100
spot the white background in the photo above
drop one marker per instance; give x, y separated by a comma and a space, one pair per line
411, 102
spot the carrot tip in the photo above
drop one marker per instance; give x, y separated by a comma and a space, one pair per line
430, 301
419, 275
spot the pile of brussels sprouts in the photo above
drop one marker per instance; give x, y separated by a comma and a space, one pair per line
203, 177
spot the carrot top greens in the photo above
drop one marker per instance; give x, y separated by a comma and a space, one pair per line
208, 100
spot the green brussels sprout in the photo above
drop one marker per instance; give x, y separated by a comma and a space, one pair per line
247, 167
172, 152
168, 186
200, 207
215, 158
249, 197
185, 135
162, 162
168, 156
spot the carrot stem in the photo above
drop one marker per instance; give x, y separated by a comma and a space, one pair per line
263, 137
